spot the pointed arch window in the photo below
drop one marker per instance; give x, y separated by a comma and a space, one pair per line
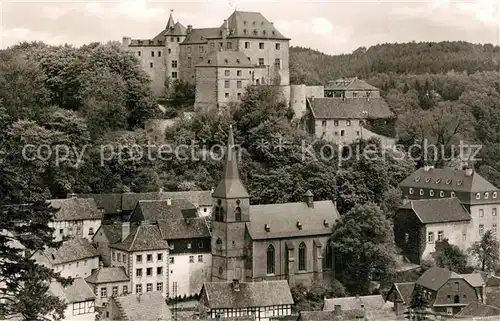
302, 257
270, 259
219, 212
237, 214
329, 256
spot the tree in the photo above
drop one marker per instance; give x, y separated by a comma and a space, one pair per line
451, 257
418, 309
312, 298
182, 95
486, 251
364, 246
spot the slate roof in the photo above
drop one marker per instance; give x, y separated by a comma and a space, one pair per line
201, 36
346, 315
368, 302
145, 306
448, 179
351, 108
282, 219
438, 210
349, 84
72, 250
485, 275
177, 229
110, 202
252, 294
108, 275
476, 309
78, 291
226, 59
145, 237
474, 279
255, 24
72, 209
405, 291
435, 277
156, 210
113, 231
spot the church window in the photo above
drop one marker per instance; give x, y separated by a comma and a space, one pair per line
302, 256
329, 256
237, 214
270, 259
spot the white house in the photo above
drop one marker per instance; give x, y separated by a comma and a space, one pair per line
75, 258
76, 217
107, 282
79, 297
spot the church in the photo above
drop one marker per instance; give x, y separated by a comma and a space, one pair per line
286, 241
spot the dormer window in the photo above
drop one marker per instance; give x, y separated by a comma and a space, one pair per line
411, 191
325, 223
452, 194
494, 194
299, 225
267, 227
478, 196
441, 194
417, 179
255, 32
264, 32
428, 179
245, 31
459, 182
237, 61
421, 191
448, 181
431, 192
226, 61
486, 195
438, 180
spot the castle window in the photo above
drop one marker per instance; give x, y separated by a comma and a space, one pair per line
226, 73
152, 53
169, 50
481, 212
255, 32
342, 132
264, 32
277, 46
139, 53
441, 194
335, 123
270, 259
277, 63
226, 61
190, 61
172, 39
229, 45
261, 45
421, 192
150, 65
201, 49
174, 63
247, 45
494, 211
430, 237
237, 214
226, 84
239, 95
238, 72
348, 123
159, 53
411, 191
178, 39
478, 196
323, 123
174, 75
226, 95
302, 257
253, 23
329, 256
261, 61
354, 94
494, 228
244, 31
238, 84
481, 229
440, 236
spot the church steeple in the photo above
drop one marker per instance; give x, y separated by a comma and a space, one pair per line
171, 22
230, 185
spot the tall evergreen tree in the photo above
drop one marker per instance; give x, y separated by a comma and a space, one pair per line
420, 303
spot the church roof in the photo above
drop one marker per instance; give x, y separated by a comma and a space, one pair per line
283, 220
226, 59
244, 24
230, 185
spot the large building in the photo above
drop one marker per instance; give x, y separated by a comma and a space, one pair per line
267, 242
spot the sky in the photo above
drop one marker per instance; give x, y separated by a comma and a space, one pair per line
333, 27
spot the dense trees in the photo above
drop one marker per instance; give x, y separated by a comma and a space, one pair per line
451, 257
486, 252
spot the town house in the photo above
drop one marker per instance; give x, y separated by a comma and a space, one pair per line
79, 297
147, 306
107, 282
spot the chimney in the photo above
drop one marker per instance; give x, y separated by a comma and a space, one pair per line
236, 285
101, 264
169, 201
125, 230
338, 310
189, 29
469, 171
126, 41
309, 199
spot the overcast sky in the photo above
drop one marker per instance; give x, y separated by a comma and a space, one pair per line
330, 26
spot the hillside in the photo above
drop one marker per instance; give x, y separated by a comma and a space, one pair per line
313, 67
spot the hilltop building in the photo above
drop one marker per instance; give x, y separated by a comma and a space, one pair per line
444, 203
267, 242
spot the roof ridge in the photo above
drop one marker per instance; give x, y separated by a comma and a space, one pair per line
135, 237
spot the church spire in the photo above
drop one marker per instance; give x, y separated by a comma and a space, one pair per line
171, 22
230, 185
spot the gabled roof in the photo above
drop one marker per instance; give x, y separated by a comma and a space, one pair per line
350, 108
435, 277
110, 202
157, 210
145, 306
345, 315
404, 291
485, 275
179, 199
180, 228
78, 291
438, 210
282, 219
177, 30
252, 294
244, 24
368, 303
145, 237
474, 279
349, 84
72, 250
201, 36
114, 231
476, 309
226, 59
230, 184
72, 209
448, 179
108, 275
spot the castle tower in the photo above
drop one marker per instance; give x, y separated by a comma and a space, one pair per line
171, 22
231, 213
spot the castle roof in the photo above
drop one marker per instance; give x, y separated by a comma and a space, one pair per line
244, 24
349, 84
177, 229
226, 59
283, 220
438, 210
201, 36
448, 179
230, 185
351, 108
171, 22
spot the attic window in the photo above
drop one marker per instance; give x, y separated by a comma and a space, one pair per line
262, 23
325, 223
299, 225
245, 31
478, 196
494, 194
237, 61
253, 22
486, 195
209, 61
459, 182
417, 179
267, 227
255, 31
428, 179
226, 61
438, 180
448, 181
